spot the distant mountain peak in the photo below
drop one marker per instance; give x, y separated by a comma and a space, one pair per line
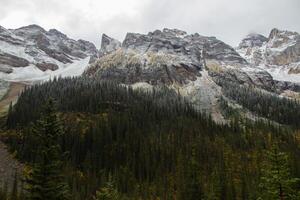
37, 51
279, 54
31, 27
108, 45
57, 33
253, 39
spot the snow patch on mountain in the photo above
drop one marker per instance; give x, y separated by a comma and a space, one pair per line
279, 54
32, 73
32, 53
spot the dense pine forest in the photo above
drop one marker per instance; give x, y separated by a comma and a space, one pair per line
100, 140
282, 110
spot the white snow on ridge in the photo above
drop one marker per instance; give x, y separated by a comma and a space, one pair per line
32, 73
278, 73
281, 74
15, 50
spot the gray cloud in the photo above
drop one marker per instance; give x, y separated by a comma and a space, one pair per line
229, 20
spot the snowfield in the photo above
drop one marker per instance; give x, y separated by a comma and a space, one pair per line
32, 73
281, 74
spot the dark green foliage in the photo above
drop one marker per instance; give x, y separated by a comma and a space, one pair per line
45, 180
94, 96
280, 109
153, 144
277, 181
108, 192
192, 182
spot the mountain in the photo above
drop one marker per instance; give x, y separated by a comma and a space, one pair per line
131, 129
278, 54
200, 68
31, 53
195, 66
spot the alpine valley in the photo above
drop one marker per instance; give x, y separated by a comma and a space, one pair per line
163, 115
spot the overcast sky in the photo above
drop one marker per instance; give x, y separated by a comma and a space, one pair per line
228, 20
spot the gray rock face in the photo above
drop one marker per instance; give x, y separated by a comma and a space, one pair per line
108, 45
168, 56
283, 47
47, 66
177, 42
179, 60
253, 40
11, 60
6, 69
191, 64
45, 49
285, 85
280, 48
279, 54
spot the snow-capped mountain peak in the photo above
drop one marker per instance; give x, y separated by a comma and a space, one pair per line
40, 52
253, 40
279, 54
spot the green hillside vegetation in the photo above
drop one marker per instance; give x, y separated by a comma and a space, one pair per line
120, 143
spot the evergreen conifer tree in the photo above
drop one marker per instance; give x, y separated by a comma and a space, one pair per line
277, 181
45, 180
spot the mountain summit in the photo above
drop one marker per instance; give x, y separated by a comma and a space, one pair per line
198, 67
32, 53
279, 54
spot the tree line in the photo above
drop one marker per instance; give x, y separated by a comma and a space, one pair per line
112, 142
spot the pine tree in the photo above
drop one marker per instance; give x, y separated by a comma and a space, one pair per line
45, 180
277, 181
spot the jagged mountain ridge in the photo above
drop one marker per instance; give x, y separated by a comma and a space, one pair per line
191, 64
31, 50
279, 53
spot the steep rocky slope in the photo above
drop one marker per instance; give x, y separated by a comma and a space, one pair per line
193, 65
279, 54
31, 52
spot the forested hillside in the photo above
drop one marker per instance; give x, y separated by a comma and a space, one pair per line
264, 104
121, 143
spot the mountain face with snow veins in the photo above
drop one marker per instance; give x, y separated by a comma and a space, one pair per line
31, 53
279, 54
197, 67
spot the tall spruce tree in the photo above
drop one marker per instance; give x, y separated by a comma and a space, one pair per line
45, 180
277, 181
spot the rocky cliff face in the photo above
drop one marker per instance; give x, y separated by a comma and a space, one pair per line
169, 56
279, 54
191, 64
33, 47
108, 45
